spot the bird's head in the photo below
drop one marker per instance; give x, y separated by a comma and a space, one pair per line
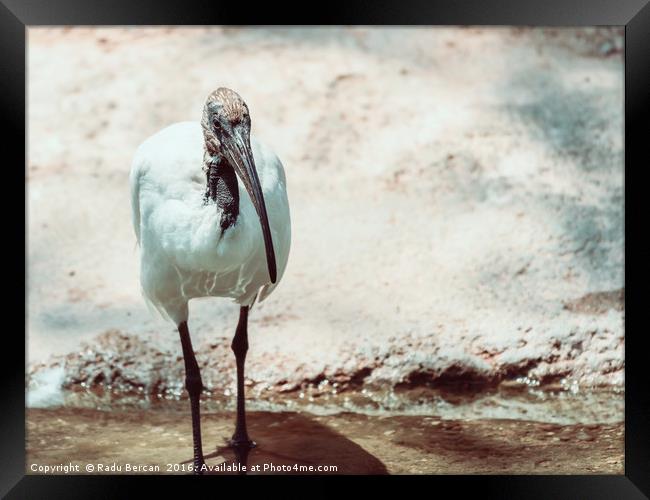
225, 119
226, 129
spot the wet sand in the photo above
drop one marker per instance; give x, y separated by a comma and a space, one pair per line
354, 443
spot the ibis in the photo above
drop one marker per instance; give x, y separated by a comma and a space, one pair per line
211, 217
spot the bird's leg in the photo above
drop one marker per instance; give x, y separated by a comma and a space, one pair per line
194, 386
240, 347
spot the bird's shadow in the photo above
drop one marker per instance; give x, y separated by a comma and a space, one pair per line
293, 443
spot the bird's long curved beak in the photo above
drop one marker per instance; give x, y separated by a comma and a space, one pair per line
238, 151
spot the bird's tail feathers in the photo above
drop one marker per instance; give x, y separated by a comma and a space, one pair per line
155, 309
265, 291
250, 307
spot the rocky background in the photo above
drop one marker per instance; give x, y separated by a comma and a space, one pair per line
456, 198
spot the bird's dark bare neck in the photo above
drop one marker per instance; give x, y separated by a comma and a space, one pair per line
222, 188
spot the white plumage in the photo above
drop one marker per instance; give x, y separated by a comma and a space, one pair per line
184, 253
211, 215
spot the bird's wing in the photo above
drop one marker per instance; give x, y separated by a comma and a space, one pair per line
277, 204
134, 181
162, 162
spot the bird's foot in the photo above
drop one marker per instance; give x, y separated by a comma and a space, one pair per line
199, 466
241, 447
241, 442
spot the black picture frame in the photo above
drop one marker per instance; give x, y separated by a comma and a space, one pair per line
17, 15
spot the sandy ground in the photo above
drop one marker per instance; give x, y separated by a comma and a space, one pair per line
355, 444
457, 218
456, 198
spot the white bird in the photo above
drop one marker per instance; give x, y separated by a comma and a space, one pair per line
211, 215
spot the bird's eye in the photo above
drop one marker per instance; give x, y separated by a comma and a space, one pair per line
216, 124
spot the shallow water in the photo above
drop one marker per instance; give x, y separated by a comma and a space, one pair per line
558, 405
504, 429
